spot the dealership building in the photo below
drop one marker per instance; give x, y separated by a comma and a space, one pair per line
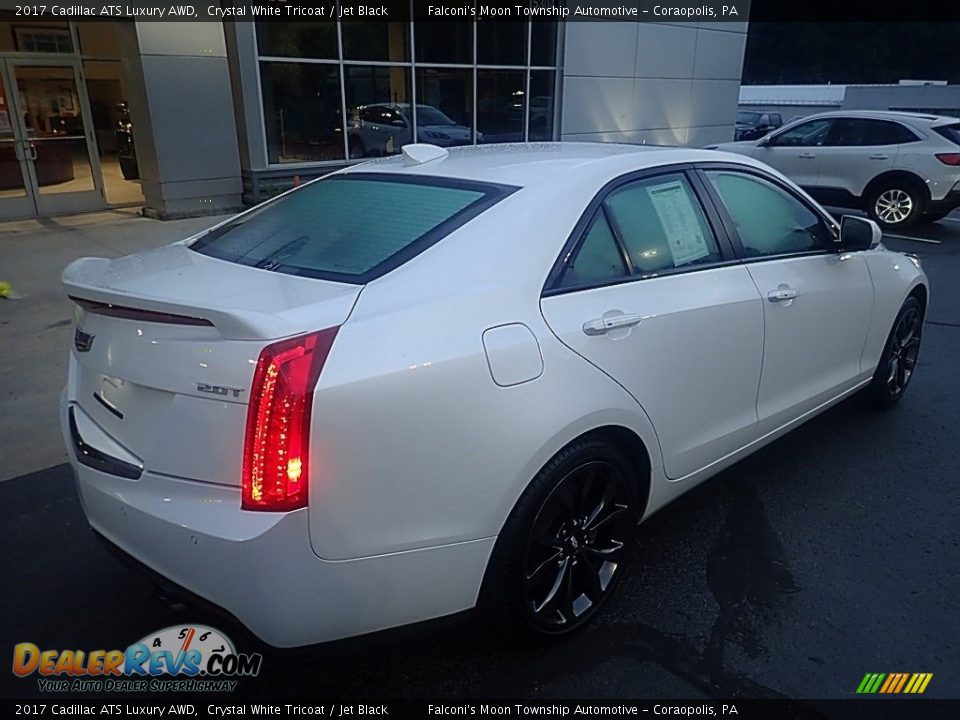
224, 114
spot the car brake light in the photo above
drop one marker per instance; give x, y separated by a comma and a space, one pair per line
277, 441
949, 158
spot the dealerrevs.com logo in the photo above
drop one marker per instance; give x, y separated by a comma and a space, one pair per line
181, 657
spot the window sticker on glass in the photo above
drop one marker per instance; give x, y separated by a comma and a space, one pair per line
679, 220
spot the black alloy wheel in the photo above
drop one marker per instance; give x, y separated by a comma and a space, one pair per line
899, 360
564, 546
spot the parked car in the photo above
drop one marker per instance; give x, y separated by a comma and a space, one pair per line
383, 128
900, 167
462, 378
752, 125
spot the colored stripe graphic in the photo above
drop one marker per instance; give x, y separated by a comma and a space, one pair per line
894, 683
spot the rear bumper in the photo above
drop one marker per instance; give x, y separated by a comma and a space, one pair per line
950, 201
261, 568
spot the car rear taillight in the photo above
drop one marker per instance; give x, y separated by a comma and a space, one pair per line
949, 158
277, 443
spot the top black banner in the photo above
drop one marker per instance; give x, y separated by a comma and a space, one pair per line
728, 11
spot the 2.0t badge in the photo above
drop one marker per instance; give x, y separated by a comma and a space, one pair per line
219, 389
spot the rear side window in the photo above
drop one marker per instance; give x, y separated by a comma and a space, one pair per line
857, 131
643, 229
662, 225
950, 132
350, 228
599, 258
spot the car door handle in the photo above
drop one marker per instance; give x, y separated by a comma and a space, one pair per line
806, 156
782, 295
606, 324
879, 157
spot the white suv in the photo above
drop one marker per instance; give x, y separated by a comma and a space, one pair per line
900, 167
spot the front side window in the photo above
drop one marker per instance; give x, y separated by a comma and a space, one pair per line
803, 135
769, 220
350, 229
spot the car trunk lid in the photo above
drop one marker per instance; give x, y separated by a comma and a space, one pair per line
166, 343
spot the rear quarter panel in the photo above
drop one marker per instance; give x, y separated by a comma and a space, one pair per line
413, 444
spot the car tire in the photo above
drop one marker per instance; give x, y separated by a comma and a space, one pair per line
899, 358
896, 204
564, 547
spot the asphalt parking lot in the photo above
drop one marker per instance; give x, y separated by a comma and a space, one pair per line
832, 553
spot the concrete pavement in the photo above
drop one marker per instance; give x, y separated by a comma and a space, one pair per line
35, 330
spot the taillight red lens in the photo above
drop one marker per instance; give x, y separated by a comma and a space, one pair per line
276, 447
949, 158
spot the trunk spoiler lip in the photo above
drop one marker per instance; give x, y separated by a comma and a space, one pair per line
131, 313
80, 284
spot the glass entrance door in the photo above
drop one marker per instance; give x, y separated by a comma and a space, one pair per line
15, 199
51, 136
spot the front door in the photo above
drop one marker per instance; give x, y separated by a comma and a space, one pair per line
796, 152
16, 198
817, 302
48, 159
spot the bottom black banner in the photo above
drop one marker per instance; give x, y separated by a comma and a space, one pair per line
191, 707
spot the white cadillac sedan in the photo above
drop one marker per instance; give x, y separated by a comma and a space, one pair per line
462, 378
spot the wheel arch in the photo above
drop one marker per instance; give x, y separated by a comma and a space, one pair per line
891, 176
636, 452
625, 439
920, 292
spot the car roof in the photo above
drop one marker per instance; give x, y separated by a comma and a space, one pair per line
527, 164
916, 117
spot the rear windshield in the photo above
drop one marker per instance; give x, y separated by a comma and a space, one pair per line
950, 132
350, 228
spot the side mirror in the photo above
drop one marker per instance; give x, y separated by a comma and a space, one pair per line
857, 233
764, 141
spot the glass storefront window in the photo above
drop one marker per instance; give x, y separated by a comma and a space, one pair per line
501, 105
542, 86
378, 109
444, 41
19, 34
543, 44
302, 111
384, 41
501, 43
298, 39
445, 106
463, 94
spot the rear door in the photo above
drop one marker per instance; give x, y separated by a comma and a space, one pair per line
649, 292
817, 302
858, 150
796, 151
